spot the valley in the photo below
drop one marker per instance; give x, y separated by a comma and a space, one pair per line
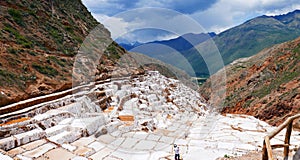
68, 91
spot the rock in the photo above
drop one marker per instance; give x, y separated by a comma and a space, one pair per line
101, 131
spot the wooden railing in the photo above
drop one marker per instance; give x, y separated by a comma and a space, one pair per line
267, 147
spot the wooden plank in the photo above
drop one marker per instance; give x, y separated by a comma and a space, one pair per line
274, 146
283, 125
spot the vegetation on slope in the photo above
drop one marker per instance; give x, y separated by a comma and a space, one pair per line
38, 43
266, 85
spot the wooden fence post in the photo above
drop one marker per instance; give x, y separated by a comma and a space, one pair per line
287, 139
264, 152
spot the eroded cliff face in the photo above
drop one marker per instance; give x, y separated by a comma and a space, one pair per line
266, 85
38, 44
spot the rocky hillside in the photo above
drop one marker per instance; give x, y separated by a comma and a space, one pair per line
38, 44
266, 85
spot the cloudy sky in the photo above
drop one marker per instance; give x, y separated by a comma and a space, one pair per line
148, 20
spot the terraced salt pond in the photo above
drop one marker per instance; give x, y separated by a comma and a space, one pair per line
134, 119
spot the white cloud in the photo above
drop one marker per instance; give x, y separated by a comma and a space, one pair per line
117, 26
225, 14
283, 10
166, 20
217, 17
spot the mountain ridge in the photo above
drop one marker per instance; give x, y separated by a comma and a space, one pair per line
247, 39
184, 40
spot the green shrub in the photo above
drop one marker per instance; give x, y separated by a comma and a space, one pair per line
56, 60
19, 38
7, 78
46, 70
17, 16
12, 50
69, 29
32, 53
58, 37
113, 52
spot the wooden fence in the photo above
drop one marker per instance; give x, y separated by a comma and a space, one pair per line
267, 147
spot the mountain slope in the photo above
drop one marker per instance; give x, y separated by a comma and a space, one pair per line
254, 35
241, 41
173, 51
266, 85
38, 44
257, 34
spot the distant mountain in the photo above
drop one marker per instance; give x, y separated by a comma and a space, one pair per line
265, 85
241, 41
128, 46
171, 51
181, 43
257, 34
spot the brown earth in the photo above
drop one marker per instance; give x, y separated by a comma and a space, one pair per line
39, 41
266, 85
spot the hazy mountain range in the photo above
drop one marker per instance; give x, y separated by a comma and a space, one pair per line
241, 41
